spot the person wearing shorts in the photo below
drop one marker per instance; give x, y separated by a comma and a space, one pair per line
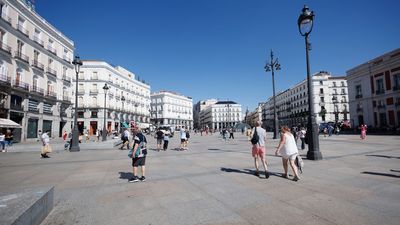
258, 150
139, 155
288, 150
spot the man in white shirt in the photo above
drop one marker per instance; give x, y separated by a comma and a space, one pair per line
183, 138
258, 149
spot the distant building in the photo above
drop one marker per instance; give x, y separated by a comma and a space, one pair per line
169, 108
252, 117
374, 91
198, 107
330, 102
35, 72
128, 99
222, 114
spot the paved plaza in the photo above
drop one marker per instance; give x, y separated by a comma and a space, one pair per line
357, 182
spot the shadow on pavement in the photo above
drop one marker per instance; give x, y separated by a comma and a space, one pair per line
381, 174
385, 156
249, 172
125, 175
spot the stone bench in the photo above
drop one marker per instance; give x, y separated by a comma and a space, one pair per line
26, 207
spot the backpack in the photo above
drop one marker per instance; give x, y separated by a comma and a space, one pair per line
187, 134
255, 139
299, 163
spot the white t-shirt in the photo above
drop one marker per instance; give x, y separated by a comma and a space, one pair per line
262, 135
45, 138
183, 133
2, 137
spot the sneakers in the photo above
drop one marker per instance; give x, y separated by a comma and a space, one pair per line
257, 174
296, 178
133, 179
266, 174
136, 179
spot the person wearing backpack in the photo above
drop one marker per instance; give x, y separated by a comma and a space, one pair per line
258, 150
139, 153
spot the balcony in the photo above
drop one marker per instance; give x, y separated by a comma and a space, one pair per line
95, 78
38, 90
37, 40
22, 57
51, 71
16, 107
22, 29
37, 65
51, 94
81, 91
322, 103
117, 97
51, 49
380, 91
94, 92
21, 85
5, 79
359, 96
66, 98
66, 59
6, 18
5, 48
66, 78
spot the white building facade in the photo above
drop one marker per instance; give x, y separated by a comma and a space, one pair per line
374, 91
222, 114
127, 98
198, 107
169, 108
35, 72
330, 102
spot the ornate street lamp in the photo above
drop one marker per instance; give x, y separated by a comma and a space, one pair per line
75, 132
271, 67
305, 23
104, 134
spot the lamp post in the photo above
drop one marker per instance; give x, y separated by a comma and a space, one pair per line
305, 23
271, 67
122, 114
75, 132
104, 134
335, 111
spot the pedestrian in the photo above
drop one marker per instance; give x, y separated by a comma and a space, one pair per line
98, 134
224, 134
302, 135
294, 133
125, 139
9, 137
2, 141
65, 136
39, 135
183, 138
139, 151
46, 148
325, 131
86, 136
337, 130
187, 138
166, 141
160, 137
288, 150
363, 128
231, 133
258, 148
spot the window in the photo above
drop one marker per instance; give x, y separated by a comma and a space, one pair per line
334, 91
396, 82
322, 99
358, 91
343, 91
321, 90
334, 84
321, 82
94, 76
379, 86
342, 83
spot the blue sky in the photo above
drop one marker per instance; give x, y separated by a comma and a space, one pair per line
218, 48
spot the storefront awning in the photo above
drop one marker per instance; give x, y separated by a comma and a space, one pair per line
6, 123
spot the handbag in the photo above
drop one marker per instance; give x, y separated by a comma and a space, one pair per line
46, 149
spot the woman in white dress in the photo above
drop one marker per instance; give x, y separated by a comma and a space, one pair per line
288, 150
